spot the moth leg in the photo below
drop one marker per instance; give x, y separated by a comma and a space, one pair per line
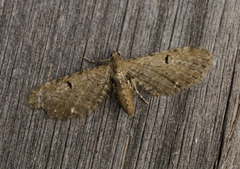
93, 61
133, 82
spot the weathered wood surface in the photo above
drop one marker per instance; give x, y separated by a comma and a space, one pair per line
42, 40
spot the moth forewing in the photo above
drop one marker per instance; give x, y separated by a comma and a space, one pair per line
170, 71
72, 95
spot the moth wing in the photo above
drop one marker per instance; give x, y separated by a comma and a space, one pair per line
73, 95
167, 72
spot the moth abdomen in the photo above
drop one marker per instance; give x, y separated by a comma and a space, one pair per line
124, 96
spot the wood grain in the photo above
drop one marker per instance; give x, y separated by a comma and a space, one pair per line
43, 40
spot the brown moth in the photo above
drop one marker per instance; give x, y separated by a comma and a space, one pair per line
159, 73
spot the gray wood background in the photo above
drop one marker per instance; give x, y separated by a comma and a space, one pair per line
41, 40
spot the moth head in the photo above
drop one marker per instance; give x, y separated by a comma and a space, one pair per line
115, 51
115, 54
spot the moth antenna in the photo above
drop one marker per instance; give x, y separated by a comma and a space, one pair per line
94, 61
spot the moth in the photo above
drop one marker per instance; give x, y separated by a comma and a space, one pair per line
159, 73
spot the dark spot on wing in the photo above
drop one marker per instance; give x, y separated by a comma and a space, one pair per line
69, 84
166, 59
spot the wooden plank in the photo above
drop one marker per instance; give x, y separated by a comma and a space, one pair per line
43, 40
229, 152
